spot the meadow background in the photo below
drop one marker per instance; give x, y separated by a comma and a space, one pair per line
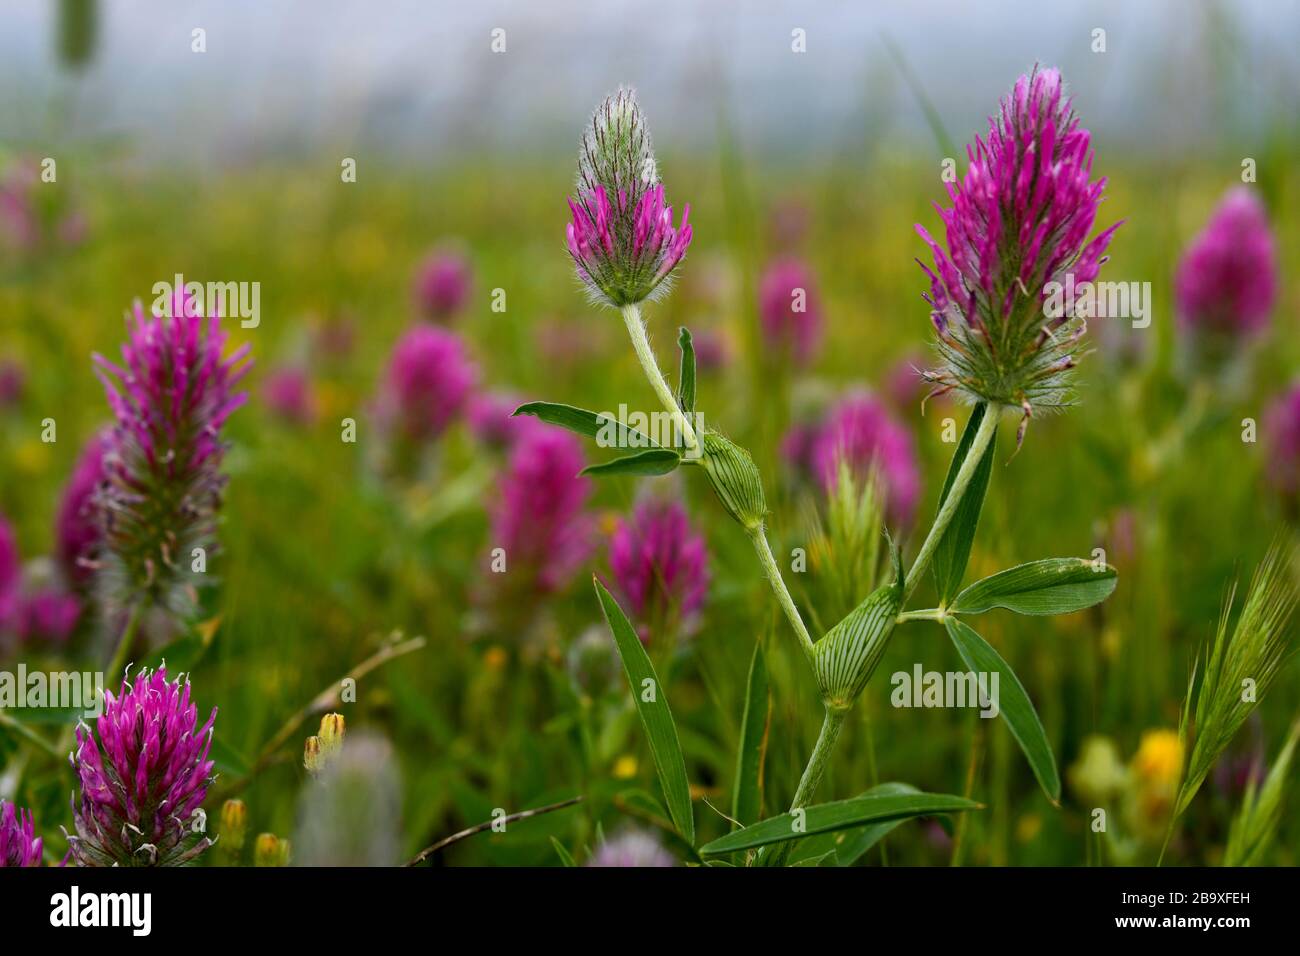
322, 561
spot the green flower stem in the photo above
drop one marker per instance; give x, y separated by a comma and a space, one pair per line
988, 425
640, 342
832, 724
759, 536
115, 666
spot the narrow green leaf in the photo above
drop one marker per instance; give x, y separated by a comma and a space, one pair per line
566, 858
1050, 586
953, 550
1014, 705
686, 376
656, 461
652, 705
591, 424
747, 798
828, 817
850, 845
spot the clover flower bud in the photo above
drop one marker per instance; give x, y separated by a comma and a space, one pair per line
735, 480
622, 239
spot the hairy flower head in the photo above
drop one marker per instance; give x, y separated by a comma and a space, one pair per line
1019, 221
621, 238
144, 771
170, 398
19, 844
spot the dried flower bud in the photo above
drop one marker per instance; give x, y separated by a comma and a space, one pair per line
311, 755
270, 850
331, 734
735, 480
234, 826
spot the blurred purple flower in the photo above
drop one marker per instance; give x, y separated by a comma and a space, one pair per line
77, 531
1282, 439
1227, 280
790, 311
1019, 220
19, 844
660, 565
11, 574
287, 393
539, 515
13, 379
143, 770
621, 238
430, 377
860, 430
47, 615
490, 419
712, 351
170, 398
442, 284
631, 848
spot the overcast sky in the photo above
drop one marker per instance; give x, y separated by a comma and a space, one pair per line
420, 78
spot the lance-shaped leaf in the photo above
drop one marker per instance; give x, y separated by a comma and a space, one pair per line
1050, 586
652, 705
655, 461
610, 431
686, 375
1012, 702
953, 550
746, 801
848, 846
840, 815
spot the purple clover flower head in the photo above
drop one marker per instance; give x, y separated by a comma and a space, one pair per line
47, 614
170, 398
660, 565
790, 311
622, 239
11, 574
19, 844
1282, 435
492, 421
430, 377
442, 284
861, 431
77, 529
1019, 220
631, 848
13, 380
1227, 280
144, 771
287, 393
539, 517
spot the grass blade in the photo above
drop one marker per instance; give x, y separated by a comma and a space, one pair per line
652, 705
747, 800
840, 815
686, 376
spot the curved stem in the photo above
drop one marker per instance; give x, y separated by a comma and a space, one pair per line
118, 661
832, 724
988, 426
773, 572
641, 343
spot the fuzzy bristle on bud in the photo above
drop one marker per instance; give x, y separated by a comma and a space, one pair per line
621, 238
1009, 288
